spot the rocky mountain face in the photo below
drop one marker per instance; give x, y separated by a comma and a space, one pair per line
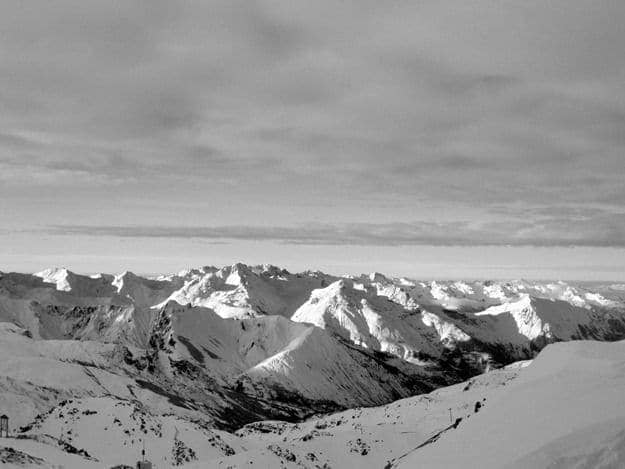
219, 348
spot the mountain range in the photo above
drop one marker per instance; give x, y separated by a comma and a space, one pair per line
206, 360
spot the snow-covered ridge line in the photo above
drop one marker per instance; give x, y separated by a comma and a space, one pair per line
197, 284
412, 320
223, 347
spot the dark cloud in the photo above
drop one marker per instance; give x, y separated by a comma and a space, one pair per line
586, 229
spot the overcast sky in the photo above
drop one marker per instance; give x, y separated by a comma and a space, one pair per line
472, 138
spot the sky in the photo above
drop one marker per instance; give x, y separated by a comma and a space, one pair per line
432, 139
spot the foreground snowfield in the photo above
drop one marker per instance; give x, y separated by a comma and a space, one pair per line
207, 368
566, 409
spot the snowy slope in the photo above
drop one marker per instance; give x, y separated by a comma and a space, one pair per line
143, 291
366, 437
240, 291
58, 304
106, 431
271, 356
320, 368
37, 375
234, 371
28, 453
361, 311
535, 317
563, 410
371, 321
114, 431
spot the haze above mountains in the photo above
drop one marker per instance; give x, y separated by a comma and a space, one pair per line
99, 363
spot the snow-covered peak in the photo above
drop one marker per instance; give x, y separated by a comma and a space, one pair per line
548, 319
58, 276
238, 274
377, 277
272, 270
528, 322
524, 301
494, 290
124, 279
376, 322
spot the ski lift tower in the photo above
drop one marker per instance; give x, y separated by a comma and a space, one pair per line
144, 463
4, 425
